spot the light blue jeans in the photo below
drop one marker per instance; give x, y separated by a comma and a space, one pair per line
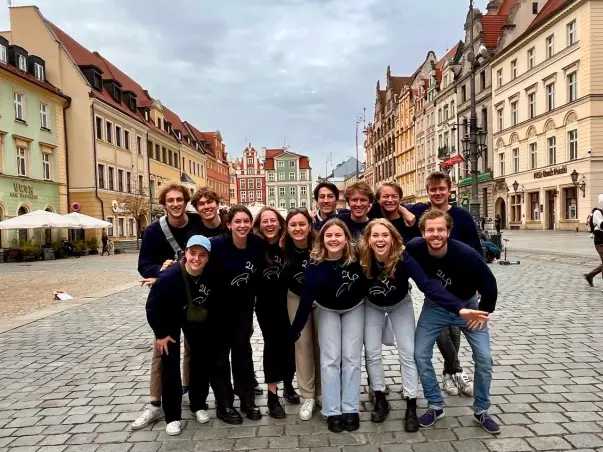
340, 338
402, 317
431, 321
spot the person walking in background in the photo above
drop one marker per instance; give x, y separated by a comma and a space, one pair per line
497, 223
596, 227
105, 242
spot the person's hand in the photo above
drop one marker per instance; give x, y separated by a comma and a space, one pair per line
475, 319
167, 264
161, 345
313, 215
148, 282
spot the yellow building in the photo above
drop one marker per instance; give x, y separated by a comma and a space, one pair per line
405, 150
547, 109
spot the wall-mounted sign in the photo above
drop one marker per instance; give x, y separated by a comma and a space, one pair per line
550, 172
117, 207
23, 191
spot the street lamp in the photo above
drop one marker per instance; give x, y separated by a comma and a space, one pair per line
521, 192
361, 118
581, 184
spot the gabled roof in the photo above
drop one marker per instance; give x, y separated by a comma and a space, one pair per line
27, 76
271, 154
397, 83
505, 8
549, 9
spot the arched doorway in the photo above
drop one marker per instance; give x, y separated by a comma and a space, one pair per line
500, 209
23, 233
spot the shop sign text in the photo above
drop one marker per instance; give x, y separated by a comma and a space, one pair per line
550, 172
23, 191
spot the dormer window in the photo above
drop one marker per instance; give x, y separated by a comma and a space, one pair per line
22, 62
3, 53
146, 115
159, 123
188, 140
117, 93
97, 81
39, 71
132, 103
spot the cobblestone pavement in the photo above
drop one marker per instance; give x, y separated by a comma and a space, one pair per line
28, 287
75, 380
558, 242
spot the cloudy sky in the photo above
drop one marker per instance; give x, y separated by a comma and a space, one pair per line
264, 71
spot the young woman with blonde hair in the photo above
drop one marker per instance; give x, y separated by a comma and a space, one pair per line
335, 283
388, 268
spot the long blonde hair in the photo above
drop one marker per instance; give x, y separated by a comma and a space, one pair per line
319, 251
366, 253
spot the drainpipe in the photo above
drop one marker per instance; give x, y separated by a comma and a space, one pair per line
66, 151
95, 164
149, 183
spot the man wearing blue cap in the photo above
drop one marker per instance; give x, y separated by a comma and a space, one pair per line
181, 298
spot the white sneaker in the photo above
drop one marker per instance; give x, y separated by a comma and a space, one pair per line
151, 413
449, 385
202, 416
173, 428
185, 399
307, 410
464, 384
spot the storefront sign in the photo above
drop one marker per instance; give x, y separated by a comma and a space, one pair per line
550, 172
117, 207
23, 191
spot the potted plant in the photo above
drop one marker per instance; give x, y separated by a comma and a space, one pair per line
79, 248
29, 251
93, 244
59, 252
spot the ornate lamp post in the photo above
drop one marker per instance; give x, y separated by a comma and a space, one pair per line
520, 192
580, 184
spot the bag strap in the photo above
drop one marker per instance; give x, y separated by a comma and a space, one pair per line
169, 237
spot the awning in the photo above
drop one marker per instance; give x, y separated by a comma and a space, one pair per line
39, 219
452, 161
88, 222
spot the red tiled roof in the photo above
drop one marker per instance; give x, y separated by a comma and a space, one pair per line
304, 163
492, 28
549, 9
397, 83
269, 164
27, 76
176, 122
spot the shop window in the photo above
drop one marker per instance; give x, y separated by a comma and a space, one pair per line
571, 203
534, 206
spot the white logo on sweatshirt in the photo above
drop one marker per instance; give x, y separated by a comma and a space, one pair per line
299, 276
384, 288
445, 280
275, 269
244, 277
203, 295
346, 285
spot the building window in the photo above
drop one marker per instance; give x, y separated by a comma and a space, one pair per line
127, 139
501, 164
533, 147
439, 116
250, 184
282, 204
303, 202
140, 187
572, 143
281, 191
550, 46
499, 78
242, 185
515, 208
46, 166
131, 224
291, 203
571, 204
514, 114
39, 71
3, 53
463, 96
120, 227
21, 166
291, 163
571, 33
272, 203
164, 155
303, 189
44, 120
110, 231
531, 105
531, 58
232, 193
258, 195
302, 175
109, 135
120, 180
251, 195
572, 86
19, 107
271, 191
118, 136
501, 119
513, 69
281, 164
552, 150
111, 178
22, 63
128, 181
516, 160
139, 145
292, 176
292, 191
281, 176
482, 80
550, 97
258, 183
170, 158
101, 175
243, 196
534, 206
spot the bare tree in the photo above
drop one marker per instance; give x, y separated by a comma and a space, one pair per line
136, 204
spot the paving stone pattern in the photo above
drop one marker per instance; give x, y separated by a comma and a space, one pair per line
75, 381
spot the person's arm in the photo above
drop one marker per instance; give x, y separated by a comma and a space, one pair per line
149, 260
486, 284
409, 218
306, 301
158, 307
430, 287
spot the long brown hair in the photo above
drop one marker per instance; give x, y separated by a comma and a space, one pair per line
258, 221
319, 251
366, 253
287, 242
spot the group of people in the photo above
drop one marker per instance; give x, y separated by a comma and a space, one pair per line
322, 286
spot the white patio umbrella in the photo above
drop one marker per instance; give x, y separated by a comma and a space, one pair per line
82, 221
38, 219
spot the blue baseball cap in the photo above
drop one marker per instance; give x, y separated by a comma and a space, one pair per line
199, 240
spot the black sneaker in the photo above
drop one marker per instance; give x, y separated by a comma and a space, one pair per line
252, 411
229, 415
381, 409
335, 424
290, 395
487, 423
351, 421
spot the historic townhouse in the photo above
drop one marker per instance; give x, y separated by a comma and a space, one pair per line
547, 95
250, 178
288, 179
405, 137
232, 173
33, 173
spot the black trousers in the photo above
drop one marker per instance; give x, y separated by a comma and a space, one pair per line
449, 344
279, 347
237, 326
207, 367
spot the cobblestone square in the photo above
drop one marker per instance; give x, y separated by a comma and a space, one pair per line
74, 380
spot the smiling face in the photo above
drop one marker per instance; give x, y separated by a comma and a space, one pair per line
335, 241
326, 201
380, 241
389, 199
439, 193
208, 209
240, 225
359, 204
436, 233
298, 227
196, 258
174, 204
269, 226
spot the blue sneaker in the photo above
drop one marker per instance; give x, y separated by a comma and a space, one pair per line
487, 423
430, 417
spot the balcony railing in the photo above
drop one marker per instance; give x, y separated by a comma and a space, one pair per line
445, 152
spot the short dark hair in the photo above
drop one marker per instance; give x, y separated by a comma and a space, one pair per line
434, 214
329, 185
437, 177
205, 192
360, 187
176, 186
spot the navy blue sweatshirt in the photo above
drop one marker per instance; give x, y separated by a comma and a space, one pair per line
295, 270
332, 286
407, 232
273, 286
463, 227
318, 224
356, 228
238, 271
155, 248
167, 303
385, 291
462, 271
213, 232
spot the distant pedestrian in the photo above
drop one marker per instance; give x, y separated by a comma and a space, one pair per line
497, 223
596, 227
483, 223
105, 241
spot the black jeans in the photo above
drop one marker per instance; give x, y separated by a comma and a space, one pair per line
449, 344
238, 327
207, 366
